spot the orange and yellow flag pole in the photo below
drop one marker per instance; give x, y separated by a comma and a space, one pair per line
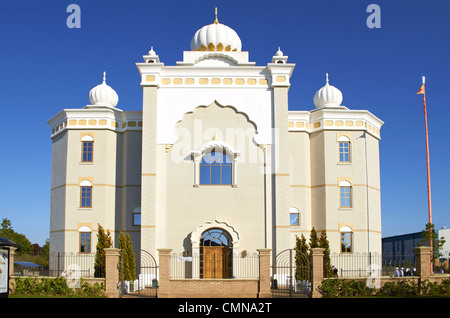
422, 91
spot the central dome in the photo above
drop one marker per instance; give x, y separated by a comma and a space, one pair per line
216, 37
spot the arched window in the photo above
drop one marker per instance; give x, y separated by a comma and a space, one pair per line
345, 194
86, 194
87, 148
344, 149
294, 215
85, 239
215, 237
215, 168
346, 239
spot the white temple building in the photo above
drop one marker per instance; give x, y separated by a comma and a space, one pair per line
213, 161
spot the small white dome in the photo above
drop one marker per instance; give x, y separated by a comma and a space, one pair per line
151, 52
216, 37
328, 96
279, 52
103, 95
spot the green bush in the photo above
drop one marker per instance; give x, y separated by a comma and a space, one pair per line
359, 288
344, 288
445, 285
401, 288
42, 286
58, 286
330, 287
89, 290
435, 288
388, 289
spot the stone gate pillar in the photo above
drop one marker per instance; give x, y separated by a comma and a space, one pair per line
112, 272
316, 270
423, 262
12, 251
264, 273
164, 273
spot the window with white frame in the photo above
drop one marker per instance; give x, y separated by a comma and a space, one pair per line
85, 239
344, 149
345, 194
294, 216
346, 240
215, 164
86, 194
215, 168
87, 149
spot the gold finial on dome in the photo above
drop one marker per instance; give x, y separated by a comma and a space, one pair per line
216, 21
216, 37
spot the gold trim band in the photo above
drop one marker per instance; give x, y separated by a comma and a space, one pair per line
97, 185
330, 185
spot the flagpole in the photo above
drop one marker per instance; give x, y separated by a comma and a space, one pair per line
428, 153
422, 91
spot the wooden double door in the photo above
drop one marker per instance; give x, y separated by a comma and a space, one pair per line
215, 262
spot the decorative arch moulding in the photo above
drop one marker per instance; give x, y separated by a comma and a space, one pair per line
215, 144
238, 109
197, 233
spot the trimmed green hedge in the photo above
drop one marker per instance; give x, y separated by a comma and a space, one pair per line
344, 288
402, 288
58, 286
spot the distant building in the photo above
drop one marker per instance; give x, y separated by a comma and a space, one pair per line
401, 244
398, 248
444, 233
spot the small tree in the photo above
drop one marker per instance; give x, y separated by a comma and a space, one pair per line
429, 235
323, 243
104, 240
129, 264
313, 239
301, 256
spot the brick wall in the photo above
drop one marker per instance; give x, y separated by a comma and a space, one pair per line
208, 288
213, 288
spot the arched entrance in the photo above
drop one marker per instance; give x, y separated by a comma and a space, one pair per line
200, 236
216, 254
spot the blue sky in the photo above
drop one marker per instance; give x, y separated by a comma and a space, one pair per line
45, 67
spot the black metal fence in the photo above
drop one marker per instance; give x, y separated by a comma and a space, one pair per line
146, 282
291, 274
385, 264
61, 264
399, 264
372, 264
